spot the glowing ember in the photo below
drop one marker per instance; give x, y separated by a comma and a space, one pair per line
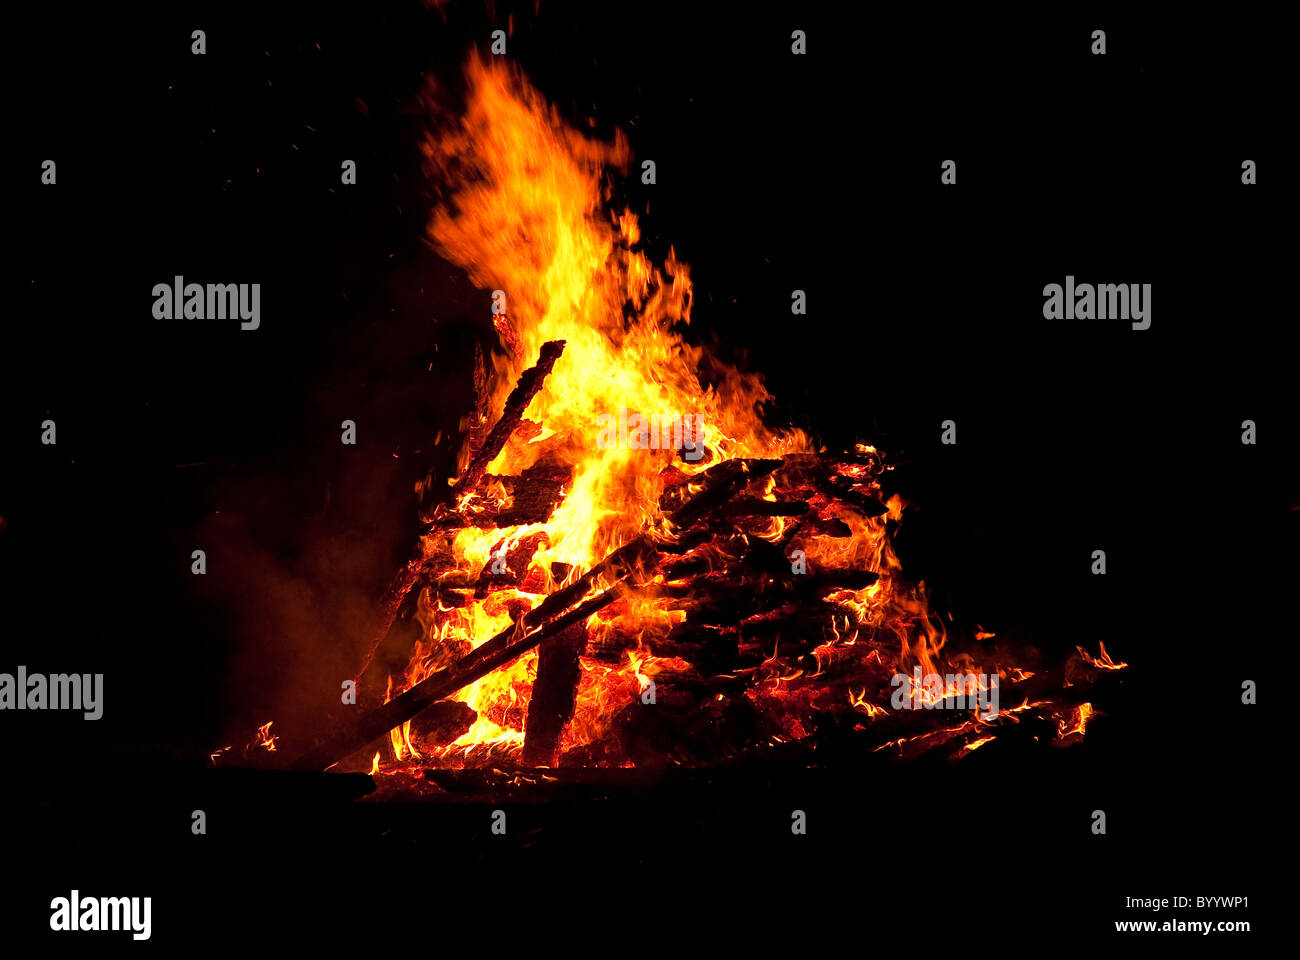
1102, 663
263, 739
1076, 720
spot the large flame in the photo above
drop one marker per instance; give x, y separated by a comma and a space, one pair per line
527, 212
528, 217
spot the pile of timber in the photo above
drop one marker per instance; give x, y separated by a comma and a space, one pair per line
767, 645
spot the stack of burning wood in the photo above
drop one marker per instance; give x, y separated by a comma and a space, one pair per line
779, 613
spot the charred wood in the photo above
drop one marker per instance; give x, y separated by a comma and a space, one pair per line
714, 486
551, 705
631, 562
530, 382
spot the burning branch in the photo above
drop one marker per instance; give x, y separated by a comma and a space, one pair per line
634, 562
520, 397
525, 389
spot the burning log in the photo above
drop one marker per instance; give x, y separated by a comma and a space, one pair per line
551, 705
720, 483
530, 382
867, 506
442, 723
1017, 700
713, 650
631, 562
638, 557
749, 595
744, 507
392, 601
738, 556
805, 625
528, 498
815, 526
688, 541
443, 684
509, 570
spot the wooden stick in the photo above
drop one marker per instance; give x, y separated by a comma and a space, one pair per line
551, 704
443, 684
633, 561
392, 601
719, 484
529, 383
636, 555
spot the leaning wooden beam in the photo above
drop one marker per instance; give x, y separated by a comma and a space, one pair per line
392, 601
712, 488
551, 704
443, 684
529, 383
635, 558
635, 561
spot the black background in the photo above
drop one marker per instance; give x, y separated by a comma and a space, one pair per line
775, 172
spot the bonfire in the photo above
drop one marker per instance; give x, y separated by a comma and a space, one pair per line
631, 568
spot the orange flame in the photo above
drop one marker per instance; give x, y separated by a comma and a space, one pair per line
263, 738
527, 213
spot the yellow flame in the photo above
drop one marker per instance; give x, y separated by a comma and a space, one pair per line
526, 210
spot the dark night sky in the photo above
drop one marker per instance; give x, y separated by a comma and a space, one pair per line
775, 173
